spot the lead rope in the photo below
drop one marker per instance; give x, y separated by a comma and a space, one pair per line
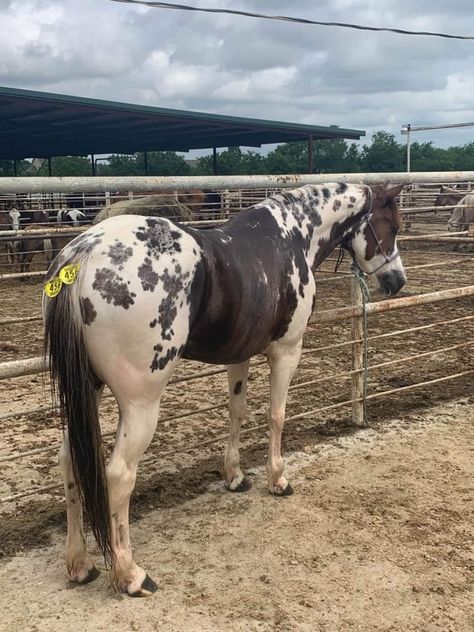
340, 257
364, 288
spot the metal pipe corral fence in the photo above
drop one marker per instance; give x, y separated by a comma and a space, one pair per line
355, 313
9, 185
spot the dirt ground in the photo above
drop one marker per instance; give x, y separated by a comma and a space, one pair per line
378, 536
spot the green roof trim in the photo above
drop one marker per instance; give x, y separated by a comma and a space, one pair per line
42, 124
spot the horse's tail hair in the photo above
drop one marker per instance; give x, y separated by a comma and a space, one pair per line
74, 382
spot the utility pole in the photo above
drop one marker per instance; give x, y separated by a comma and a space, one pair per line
406, 130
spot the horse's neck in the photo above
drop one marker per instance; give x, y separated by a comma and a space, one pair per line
327, 220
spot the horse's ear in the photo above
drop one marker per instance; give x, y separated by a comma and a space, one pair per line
391, 192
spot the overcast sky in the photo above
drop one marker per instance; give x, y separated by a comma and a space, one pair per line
248, 67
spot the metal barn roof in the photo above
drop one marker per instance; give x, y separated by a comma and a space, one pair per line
42, 124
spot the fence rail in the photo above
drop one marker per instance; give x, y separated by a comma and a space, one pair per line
159, 183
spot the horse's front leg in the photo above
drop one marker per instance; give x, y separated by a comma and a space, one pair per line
237, 377
283, 361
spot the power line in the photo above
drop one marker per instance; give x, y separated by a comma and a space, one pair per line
285, 18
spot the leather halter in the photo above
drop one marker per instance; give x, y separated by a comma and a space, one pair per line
387, 257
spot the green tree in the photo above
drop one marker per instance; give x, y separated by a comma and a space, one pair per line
67, 166
119, 165
23, 168
383, 154
330, 156
6, 168
335, 156
462, 157
160, 163
164, 163
233, 161
288, 158
426, 157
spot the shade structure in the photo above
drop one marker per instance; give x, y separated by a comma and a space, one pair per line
41, 124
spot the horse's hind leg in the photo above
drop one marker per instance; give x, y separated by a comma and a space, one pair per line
137, 425
283, 361
79, 567
237, 377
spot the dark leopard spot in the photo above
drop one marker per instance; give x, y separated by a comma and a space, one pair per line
238, 387
112, 288
161, 363
158, 237
173, 285
147, 276
154, 364
88, 312
167, 313
119, 253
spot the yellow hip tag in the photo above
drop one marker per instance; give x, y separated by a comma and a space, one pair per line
68, 274
53, 287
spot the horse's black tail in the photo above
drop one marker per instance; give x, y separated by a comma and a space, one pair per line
75, 383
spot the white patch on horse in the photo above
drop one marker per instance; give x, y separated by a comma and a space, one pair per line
73, 216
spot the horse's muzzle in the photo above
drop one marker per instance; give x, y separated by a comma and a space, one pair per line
391, 282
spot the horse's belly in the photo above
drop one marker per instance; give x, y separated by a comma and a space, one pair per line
232, 352
231, 333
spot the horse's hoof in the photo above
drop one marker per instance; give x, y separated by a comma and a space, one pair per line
244, 486
91, 575
147, 588
278, 491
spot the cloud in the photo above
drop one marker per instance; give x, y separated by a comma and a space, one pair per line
248, 67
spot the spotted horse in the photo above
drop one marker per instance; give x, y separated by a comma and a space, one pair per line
149, 292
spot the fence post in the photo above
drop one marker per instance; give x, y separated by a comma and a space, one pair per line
357, 363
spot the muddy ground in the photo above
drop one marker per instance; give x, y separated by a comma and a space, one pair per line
379, 533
